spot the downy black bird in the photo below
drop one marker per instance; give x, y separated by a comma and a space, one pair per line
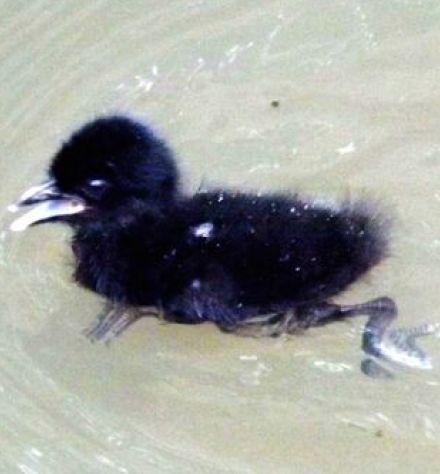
250, 263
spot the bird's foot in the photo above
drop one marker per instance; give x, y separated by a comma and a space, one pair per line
399, 347
114, 320
396, 346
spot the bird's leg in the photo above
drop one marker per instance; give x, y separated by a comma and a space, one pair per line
114, 320
268, 325
381, 311
378, 340
317, 314
298, 319
290, 321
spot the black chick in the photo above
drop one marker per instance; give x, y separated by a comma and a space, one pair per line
220, 256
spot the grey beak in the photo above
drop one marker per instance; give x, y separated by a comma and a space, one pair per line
42, 192
49, 202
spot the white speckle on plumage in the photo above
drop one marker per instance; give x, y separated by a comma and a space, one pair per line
204, 230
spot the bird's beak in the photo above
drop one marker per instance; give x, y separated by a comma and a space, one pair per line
48, 202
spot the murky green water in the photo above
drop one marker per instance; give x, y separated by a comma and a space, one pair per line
359, 98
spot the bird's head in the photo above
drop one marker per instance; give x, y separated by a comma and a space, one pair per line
108, 170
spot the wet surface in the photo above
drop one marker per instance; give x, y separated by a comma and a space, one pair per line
329, 99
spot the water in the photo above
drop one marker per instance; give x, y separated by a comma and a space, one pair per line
331, 98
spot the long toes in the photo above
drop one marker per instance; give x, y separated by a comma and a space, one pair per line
400, 346
418, 331
104, 324
94, 330
123, 323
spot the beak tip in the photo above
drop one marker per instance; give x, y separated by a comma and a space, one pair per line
17, 226
47, 210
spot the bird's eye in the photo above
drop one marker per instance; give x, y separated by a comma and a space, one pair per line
95, 188
97, 183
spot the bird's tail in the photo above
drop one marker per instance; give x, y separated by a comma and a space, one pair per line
368, 232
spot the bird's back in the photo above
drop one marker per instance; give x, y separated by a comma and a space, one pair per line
280, 247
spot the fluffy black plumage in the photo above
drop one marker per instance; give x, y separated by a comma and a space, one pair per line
219, 256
